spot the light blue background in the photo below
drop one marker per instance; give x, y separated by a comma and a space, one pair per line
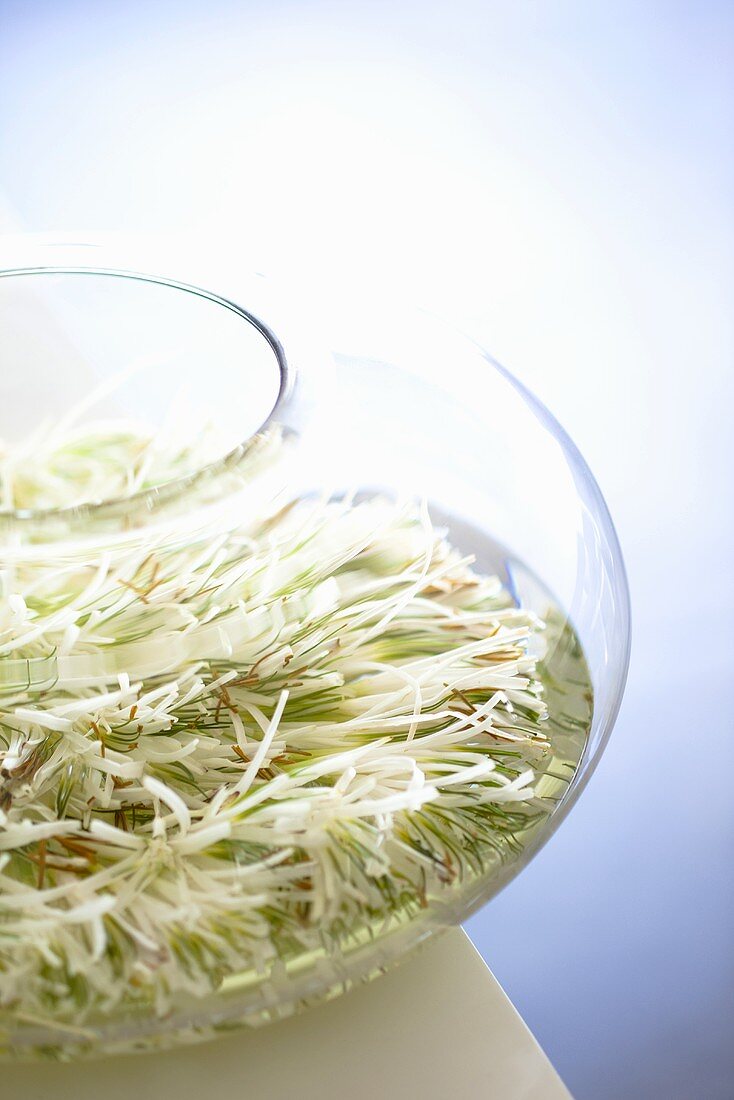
556, 178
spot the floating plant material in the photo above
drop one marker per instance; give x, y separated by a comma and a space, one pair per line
222, 751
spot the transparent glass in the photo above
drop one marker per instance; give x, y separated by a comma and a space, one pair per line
308, 404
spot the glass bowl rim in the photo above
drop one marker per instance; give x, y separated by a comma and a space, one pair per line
151, 501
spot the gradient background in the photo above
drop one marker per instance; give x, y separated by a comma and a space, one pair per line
557, 179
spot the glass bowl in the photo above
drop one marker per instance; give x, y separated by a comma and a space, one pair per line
313, 627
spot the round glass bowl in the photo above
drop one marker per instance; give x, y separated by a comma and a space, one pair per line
307, 644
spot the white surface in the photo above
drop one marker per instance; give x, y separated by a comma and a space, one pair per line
439, 1027
557, 178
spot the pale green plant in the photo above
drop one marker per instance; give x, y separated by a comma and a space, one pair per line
251, 743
